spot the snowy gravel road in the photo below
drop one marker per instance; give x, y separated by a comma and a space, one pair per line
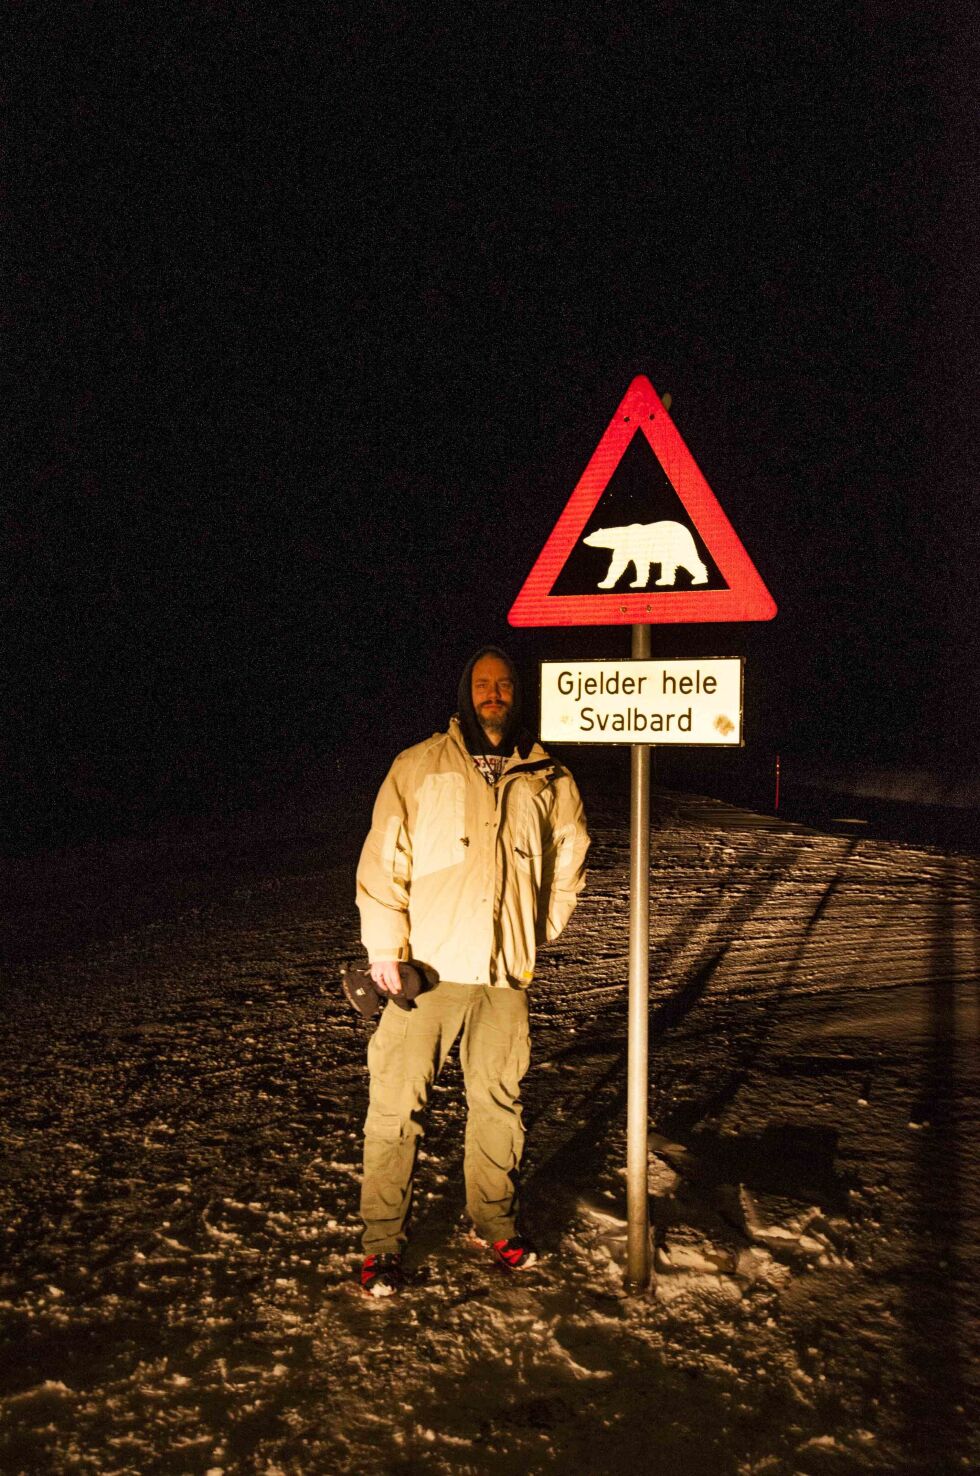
182, 1092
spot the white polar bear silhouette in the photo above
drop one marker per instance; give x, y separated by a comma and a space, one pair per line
668, 544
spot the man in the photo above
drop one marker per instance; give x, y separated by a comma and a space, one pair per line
475, 857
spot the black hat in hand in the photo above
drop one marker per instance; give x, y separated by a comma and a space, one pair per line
368, 997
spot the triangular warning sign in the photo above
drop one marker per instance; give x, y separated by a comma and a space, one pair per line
649, 571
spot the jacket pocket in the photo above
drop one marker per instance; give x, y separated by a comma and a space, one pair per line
532, 830
440, 825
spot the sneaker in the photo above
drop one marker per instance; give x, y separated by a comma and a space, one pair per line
516, 1254
382, 1276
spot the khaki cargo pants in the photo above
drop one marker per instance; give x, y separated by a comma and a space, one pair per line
405, 1055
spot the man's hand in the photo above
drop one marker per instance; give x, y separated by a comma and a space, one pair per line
386, 975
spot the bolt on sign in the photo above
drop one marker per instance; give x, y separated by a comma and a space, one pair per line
695, 702
642, 539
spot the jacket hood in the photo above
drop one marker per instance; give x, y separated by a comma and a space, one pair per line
473, 735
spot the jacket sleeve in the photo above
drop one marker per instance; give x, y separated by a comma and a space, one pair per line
572, 843
384, 872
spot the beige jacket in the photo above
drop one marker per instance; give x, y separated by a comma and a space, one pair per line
465, 879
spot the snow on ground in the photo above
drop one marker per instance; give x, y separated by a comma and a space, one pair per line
182, 1093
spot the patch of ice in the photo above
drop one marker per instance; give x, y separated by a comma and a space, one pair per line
608, 1222
225, 1236
172, 1244
690, 1284
50, 1387
693, 1256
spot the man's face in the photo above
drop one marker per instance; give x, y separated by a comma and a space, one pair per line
492, 690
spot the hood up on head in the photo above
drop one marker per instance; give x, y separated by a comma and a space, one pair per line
475, 738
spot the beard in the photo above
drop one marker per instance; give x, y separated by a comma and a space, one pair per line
494, 723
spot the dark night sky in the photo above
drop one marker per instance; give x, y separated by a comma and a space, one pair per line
316, 324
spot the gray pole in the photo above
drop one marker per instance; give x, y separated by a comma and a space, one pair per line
637, 1204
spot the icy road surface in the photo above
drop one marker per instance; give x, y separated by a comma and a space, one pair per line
182, 1094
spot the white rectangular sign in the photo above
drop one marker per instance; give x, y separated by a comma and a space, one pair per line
662, 702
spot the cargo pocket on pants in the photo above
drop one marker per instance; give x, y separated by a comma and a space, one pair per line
388, 1110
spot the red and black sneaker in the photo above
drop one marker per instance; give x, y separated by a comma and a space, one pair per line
516, 1254
382, 1276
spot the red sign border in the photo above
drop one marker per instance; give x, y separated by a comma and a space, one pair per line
746, 597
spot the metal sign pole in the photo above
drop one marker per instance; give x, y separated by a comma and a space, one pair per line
637, 1200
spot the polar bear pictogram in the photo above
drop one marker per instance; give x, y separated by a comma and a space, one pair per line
668, 544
